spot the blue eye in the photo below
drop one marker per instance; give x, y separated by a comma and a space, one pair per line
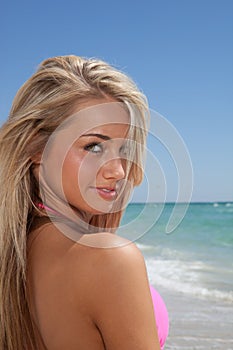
124, 150
94, 147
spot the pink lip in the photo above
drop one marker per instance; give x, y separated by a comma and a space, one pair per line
108, 194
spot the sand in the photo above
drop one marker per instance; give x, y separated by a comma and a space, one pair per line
197, 323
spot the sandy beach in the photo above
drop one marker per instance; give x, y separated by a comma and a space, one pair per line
198, 324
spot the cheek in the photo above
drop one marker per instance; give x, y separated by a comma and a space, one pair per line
87, 172
78, 172
70, 169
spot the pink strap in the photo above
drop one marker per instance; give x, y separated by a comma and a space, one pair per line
43, 206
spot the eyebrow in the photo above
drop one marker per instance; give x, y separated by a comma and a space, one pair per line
100, 136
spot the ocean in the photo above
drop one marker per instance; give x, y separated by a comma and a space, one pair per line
191, 267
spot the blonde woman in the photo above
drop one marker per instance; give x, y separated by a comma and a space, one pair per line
70, 152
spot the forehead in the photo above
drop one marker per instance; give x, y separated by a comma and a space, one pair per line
111, 119
113, 131
99, 117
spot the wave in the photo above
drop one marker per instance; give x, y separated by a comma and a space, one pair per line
184, 277
163, 252
144, 247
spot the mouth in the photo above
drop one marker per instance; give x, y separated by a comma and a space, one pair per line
108, 194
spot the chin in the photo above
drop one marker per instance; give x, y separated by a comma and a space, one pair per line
102, 209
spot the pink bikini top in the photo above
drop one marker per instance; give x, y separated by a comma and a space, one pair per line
161, 316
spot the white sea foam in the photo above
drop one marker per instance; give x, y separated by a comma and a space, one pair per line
144, 247
184, 277
161, 251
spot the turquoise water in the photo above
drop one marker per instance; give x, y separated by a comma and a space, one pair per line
191, 267
194, 259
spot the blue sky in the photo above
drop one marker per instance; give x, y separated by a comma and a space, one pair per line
179, 52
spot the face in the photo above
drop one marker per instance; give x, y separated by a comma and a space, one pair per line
86, 164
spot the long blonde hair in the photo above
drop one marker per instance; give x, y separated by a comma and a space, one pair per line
40, 106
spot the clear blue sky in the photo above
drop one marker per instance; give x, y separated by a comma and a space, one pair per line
180, 53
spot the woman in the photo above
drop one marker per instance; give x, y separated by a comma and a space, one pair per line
70, 153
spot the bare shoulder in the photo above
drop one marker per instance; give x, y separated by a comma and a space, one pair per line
110, 254
119, 262
105, 282
117, 296
118, 256
103, 262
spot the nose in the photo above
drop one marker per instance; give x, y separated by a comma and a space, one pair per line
113, 169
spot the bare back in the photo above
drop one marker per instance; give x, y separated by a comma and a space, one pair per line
78, 294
